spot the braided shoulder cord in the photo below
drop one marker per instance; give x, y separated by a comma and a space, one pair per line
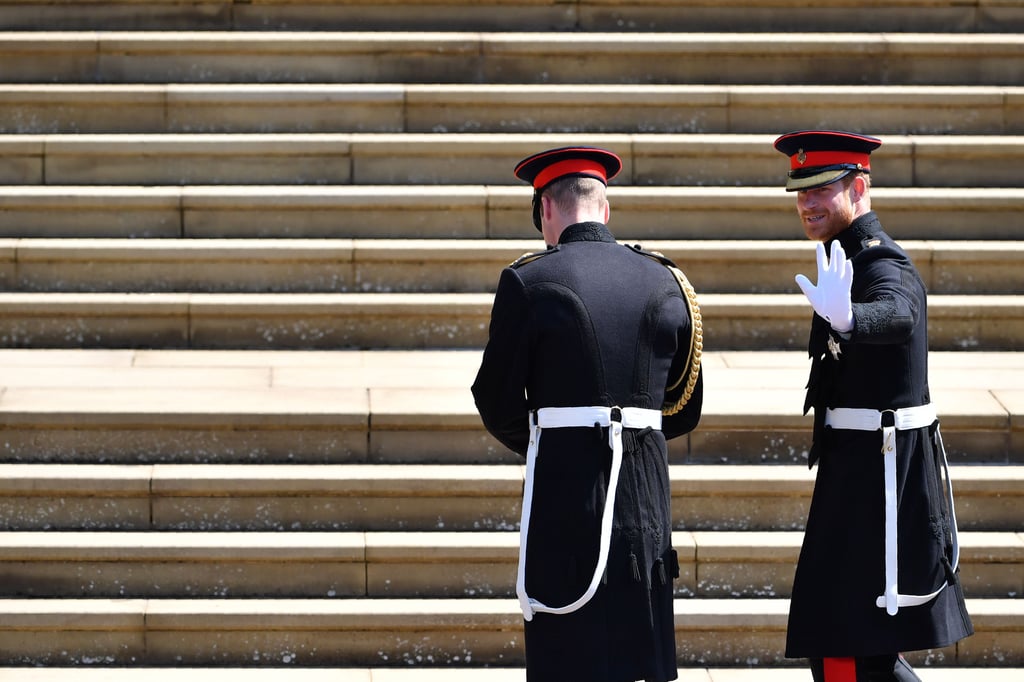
696, 346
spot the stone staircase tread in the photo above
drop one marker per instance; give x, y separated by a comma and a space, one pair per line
167, 265
428, 480
588, 15
404, 632
405, 564
395, 614
151, 395
463, 159
339, 213
930, 673
414, 547
496, 107
338, 320
396, 384
448, 674
449, 360
292, 43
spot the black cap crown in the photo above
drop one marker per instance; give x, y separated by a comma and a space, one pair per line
820, 157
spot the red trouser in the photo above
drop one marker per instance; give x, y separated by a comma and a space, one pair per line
867, 669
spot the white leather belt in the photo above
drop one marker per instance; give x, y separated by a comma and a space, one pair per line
563, 417
901, 420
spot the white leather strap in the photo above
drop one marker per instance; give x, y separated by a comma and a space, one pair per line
564, 417
871, 420
903, 419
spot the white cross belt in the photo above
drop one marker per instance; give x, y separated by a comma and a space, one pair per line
561, 417
903, 419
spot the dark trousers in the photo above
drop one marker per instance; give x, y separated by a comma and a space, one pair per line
891, 668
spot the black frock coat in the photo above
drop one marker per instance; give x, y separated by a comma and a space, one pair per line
883, 364
592, 322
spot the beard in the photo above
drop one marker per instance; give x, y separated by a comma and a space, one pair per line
824, 223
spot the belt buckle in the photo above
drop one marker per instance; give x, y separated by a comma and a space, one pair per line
615, 414
882, 418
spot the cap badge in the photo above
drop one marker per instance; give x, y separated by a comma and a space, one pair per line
801, 157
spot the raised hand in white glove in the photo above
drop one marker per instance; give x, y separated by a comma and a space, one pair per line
831, 297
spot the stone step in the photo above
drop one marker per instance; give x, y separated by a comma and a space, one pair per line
442, 265
423, 212
421, 673
307, 321
501, 108
506, 15
451, 57
135, 565
403, 633
386, 407
729, 161
375, 498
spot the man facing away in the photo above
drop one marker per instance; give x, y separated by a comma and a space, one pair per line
877, 573
592, 362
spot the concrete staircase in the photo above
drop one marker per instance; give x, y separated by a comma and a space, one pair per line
247, 251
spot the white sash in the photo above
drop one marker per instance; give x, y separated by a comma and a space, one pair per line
561, 417
903, 419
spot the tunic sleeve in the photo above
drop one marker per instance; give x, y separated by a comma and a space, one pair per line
500, 386
887, 298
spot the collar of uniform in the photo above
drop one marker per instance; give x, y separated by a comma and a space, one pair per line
586, 232
860, 230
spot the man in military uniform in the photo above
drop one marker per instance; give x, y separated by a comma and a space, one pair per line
877, 573
593, 361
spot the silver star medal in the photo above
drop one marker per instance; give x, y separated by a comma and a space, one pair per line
834, 348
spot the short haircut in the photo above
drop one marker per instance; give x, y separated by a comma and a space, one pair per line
576, 189
848, 179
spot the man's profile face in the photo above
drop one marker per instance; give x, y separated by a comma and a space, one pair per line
825, 211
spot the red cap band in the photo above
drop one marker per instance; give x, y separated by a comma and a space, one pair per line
804, 159
569, 167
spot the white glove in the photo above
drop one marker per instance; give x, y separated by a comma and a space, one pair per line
831, 298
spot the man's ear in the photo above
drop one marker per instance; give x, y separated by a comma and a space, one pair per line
547, 207
859, 187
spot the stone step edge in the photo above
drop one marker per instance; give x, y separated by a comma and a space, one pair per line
460, 159
629, 146
388, 409
421, 108
495, 43
783, 672
340, 215
380, 359
486, 198
398, 547
421, 320
580, 15
313, 265
114, 251
502, 94
385, 615
156, 481
427, 305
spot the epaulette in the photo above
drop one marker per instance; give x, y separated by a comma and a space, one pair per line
656, 255
687, 380
530, 257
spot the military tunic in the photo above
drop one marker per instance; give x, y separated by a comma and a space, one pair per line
881, 364
591, 322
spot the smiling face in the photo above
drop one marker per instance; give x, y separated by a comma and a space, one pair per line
828, 210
